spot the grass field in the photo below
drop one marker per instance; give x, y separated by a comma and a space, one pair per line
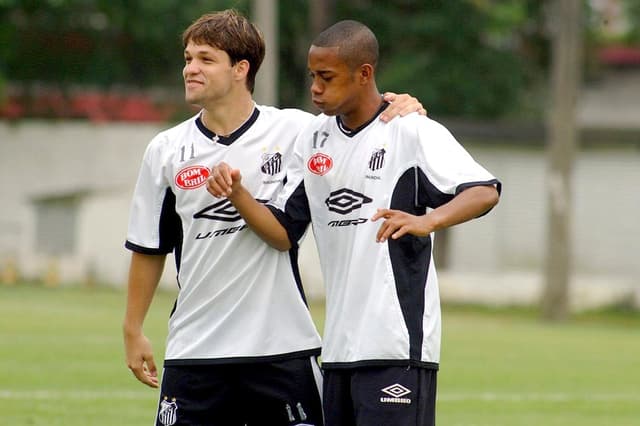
62, 363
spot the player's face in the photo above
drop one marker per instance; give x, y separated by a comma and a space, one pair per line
334, 85
207, 73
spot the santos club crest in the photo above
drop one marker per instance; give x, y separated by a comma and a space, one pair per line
168, 413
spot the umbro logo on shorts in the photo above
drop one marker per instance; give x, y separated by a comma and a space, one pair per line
397, 394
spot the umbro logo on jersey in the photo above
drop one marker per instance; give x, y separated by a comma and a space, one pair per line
192, 177
377, 159
222, 210
397, 394
319, 164
345, 201
271, 164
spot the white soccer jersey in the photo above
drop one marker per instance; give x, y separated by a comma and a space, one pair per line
383, 304
239, 300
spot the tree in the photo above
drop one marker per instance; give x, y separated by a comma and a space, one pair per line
98, 42
471, 58
294, 43
461, 57
567, 23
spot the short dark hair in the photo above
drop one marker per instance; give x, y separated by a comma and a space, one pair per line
231, 32
356, 43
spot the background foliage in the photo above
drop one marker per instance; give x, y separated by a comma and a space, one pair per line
475, 58
99, 42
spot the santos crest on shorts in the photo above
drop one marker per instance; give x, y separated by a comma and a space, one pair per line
382, 298
239, 299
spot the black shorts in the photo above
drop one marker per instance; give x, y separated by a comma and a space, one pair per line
380, 396
283, 393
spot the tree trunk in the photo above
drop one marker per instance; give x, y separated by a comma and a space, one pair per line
265, 16
567, 21
321, 13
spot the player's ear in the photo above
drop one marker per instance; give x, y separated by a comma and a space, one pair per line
366, 73
241, 69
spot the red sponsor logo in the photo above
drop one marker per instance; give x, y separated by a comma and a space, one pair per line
319, 164
192, 177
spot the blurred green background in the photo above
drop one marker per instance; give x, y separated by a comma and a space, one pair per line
474, 58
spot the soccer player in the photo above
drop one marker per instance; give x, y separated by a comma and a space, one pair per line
381, 344
242, 348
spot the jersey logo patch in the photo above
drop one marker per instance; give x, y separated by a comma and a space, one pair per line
345, 201
319, 164
271, 164
377, 159
222, 210
192, 177
168, 413
396, 394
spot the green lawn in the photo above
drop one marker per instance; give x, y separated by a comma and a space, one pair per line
511, 369
62, 363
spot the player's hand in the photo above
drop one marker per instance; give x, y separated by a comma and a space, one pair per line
140, 359
400, 105
222, 180
398, 223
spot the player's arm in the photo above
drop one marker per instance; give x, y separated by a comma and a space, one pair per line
468, 204
400, 105
144, 275
227, 182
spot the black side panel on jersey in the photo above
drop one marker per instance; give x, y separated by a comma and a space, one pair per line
295, 220
296, 215
170, 231
293, 256
495, 182
427, 195
410, 257
171, 227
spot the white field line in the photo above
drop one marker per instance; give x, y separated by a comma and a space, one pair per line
53, 394
542, 397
